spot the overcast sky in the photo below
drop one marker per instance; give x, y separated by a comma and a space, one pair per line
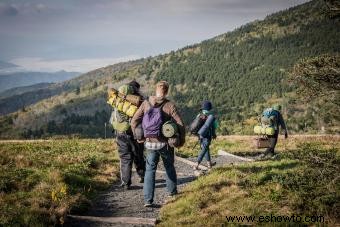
79, 35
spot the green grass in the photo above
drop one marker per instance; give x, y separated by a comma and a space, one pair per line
304, 181
244, 145
41, 181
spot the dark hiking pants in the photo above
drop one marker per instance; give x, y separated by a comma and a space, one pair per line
130, 152
272, 141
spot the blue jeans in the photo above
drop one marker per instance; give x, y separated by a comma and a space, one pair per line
152, 158
205, 152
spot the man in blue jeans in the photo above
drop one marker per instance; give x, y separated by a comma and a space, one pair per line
160, 110
152, 158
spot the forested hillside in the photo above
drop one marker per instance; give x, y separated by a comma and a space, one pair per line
249, 65
241, 72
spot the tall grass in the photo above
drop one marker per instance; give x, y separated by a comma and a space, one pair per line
41, 181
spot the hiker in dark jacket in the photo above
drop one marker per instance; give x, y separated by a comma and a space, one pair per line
130, 151
270, 152
158, 146
206, 133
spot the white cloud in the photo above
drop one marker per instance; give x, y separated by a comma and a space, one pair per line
74, 65
76, 29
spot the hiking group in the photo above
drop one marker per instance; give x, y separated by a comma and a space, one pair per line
149, 129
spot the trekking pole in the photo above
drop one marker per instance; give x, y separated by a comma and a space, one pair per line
196, 143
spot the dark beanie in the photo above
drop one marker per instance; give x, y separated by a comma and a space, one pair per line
135, 87
206, 105
134, 84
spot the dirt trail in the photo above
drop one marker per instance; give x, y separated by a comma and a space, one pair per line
116, 203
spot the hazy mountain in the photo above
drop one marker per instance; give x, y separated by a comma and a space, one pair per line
241, 72
21, 97
5, 65
19, 79
20, 90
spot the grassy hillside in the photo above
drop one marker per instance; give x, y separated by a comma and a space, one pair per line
76, 105
303, 181
241, 72
41, 181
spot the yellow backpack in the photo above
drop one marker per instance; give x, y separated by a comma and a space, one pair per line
123, 101
125, 106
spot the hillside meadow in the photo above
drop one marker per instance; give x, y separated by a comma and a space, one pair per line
302, 181
43, 180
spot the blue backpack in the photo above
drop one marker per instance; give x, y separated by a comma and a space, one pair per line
269, 117
205, 130
152, 121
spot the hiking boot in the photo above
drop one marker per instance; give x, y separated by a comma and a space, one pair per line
272, 156
211, 164
148, 204
125, 186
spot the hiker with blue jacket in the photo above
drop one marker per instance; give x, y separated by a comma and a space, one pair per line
152, 114
273, 118
206, 130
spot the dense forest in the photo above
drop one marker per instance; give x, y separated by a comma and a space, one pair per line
241, 72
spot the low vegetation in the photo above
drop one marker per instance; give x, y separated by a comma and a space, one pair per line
41, 181
303, 181
244, 145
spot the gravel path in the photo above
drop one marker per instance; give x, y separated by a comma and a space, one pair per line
117, 202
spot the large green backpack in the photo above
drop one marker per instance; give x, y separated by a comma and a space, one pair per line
119, 120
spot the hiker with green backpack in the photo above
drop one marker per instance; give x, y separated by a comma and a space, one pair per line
157, 115
204, 126
272, 119
130, 151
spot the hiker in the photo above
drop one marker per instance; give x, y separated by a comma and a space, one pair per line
130, 151
153, 113
204, 126
272, 117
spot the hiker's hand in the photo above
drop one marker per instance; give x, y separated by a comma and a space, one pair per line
286, 135
141, 141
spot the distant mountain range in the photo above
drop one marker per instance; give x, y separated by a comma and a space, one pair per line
24, 89
8, 81
6, 65
241, 72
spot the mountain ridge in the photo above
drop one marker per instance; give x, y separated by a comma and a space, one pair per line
18, 79
240, 71
6, 65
